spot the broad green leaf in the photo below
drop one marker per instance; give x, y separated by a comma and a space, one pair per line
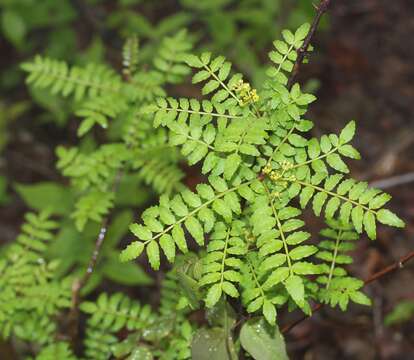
13, 26
214, 343
325, 144
46, 196
262, 341
130, 274
218, 183
221, 315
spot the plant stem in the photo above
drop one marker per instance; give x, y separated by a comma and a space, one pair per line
279, 226
78, 284
320, 10
337, 242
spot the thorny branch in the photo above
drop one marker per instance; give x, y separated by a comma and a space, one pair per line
378, 275
320, 10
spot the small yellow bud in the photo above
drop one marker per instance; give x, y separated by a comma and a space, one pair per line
267, 169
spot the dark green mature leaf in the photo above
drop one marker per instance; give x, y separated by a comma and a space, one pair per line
129, 273
209, 344
13, 27
262, 341
47, 195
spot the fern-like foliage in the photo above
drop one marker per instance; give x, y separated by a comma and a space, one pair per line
338, 286
103, 98
222, 263
110, 315
163, 224
30, 293
168, 60
130, 56
92, 170
262, 169
64, 80
260, 161
58, 350
147, 331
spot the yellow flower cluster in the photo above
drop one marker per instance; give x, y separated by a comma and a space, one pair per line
267, 169
286, 165
246, 93
276, 175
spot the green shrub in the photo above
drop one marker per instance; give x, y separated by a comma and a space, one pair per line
237, 246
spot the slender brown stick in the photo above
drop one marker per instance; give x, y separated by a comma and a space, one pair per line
393, 181
78, 284
378, 275
301, 52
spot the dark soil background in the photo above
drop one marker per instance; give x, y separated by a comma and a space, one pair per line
365, 64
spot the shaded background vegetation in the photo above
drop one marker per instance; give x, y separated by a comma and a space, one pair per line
362, 69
